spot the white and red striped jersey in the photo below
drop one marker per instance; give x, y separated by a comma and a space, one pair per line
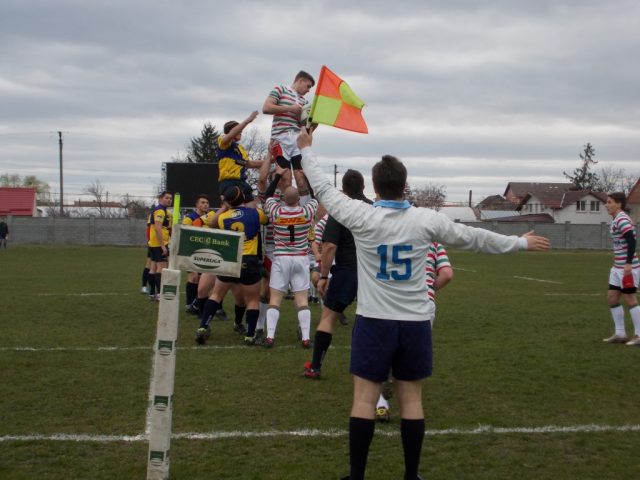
437, 259
291, 226
319, 229
620, 225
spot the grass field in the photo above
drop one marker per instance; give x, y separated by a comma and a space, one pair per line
510, 353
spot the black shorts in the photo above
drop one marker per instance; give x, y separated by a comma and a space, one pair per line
250, 273
149, 253
402, 347
157, 255
244, 186
296, 162
343, 288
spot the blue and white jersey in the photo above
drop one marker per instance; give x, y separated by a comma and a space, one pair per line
392, 240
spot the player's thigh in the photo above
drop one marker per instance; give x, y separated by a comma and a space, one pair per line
280, 273
205, 284
275, 297
299, 278
220, 289
413, 358
613, 296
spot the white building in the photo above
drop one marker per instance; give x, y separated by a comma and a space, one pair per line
575, 206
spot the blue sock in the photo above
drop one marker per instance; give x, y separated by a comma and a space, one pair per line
210, 308
252, 321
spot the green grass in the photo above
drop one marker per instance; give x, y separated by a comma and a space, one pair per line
506, 355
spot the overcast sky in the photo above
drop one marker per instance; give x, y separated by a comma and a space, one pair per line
470, 94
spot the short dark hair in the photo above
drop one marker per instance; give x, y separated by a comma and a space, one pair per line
229, 126
619, 197
389, 177
165, 192
234, 196
353, 184
202, 195
306, 76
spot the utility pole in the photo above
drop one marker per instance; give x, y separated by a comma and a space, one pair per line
61, 183
335, 175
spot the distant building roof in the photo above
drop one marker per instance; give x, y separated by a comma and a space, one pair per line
495, 214
462, 214
533, 217
496, 202
18, 201
520, 189
634, 194
559, 199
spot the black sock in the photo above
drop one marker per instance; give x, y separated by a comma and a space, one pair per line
252, 321
240, 309
412, 432
360, 436
145, 276
200, 302
321, 344
151, 278
192, 292
209, 309
158, 282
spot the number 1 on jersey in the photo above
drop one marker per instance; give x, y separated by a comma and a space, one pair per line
383, 274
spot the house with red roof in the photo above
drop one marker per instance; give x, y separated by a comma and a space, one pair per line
633, 202
18, 202
575, 206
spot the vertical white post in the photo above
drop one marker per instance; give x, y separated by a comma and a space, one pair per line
161, 397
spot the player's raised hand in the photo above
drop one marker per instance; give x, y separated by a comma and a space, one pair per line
305, 139
536, 242
251, 117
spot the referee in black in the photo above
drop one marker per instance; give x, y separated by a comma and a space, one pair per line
337, 245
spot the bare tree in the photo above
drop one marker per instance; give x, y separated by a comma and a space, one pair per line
256, 147
612, 179
134, 208
430, 195
100, 199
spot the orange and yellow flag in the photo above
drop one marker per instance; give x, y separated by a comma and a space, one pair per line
335, 104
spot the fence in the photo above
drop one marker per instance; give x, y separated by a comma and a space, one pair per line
125, 231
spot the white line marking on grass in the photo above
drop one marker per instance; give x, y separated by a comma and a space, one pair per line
314, 433
95, 294
573, 294
465, 269
537, 280
124, 349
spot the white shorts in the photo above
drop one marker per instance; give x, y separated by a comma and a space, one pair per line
289, 143
616, 274
292, 270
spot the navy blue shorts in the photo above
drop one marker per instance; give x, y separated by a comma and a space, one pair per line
343, 288
382, 346
244, 186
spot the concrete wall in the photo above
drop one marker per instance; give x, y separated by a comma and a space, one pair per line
123, 231
77, 231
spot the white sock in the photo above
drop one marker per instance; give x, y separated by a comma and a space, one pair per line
635, 317
273, 314
312, 289
382, 402
617, 313
262, 316
304, 320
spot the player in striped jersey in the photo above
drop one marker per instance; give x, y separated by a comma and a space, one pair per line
292, 223
438, 273
392, 331
624, 277
286, 104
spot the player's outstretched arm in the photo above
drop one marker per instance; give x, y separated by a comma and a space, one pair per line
536, 242
350, 213
237, 130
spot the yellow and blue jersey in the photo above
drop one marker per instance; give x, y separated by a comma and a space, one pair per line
247, 220
159, 215
194, 219
232, 161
